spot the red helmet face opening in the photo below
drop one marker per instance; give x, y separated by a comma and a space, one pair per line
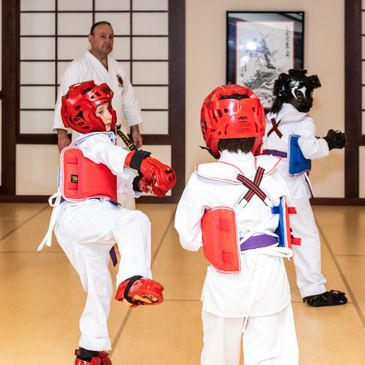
232, 111
79, 106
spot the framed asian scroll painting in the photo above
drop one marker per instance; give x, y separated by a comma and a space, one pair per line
260, 46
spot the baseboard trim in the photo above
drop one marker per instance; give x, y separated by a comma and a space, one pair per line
170, 199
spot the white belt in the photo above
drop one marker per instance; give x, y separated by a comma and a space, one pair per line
54, 201
253, 261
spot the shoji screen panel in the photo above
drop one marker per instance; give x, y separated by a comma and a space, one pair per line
149, 36
52, 33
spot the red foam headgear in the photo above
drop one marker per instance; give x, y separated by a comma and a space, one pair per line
79, 105
232, 111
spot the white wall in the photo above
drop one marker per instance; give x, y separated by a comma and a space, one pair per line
323, 55
36, 169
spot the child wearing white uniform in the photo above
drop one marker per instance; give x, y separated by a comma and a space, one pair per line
97, 64
289, 119
255, 300
88, 225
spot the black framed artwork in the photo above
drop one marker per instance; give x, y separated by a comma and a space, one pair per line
260, 46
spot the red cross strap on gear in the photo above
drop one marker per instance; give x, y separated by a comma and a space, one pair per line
253, 186
275, 128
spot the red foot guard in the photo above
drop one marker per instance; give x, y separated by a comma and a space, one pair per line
137, 286
101, 359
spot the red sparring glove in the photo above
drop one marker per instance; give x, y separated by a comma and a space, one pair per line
149, 291
158, 177
96, 357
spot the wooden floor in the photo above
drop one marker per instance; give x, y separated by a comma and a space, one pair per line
41, 297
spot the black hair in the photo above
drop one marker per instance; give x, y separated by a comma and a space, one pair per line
277, 104
235, 96
236, 144
96, 24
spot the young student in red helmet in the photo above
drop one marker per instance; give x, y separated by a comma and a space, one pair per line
88, 221
235, 210
291, 135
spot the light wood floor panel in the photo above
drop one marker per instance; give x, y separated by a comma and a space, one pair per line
10, 265
29, 233
41, 296
41, 303
181, 272
172, 336
7, 227
19, 212
330, 336
160, 216
353, 268
344, 228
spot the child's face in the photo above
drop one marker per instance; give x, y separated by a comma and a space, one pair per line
102, 111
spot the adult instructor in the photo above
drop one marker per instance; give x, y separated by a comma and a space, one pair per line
96, 64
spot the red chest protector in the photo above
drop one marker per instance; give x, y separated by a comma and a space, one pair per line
82, 178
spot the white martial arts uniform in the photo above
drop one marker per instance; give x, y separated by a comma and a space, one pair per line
87, 230
307, 257
257, 299
88, 67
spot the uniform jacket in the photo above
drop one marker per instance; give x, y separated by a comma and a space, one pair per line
261, 288
88, 67
294, 122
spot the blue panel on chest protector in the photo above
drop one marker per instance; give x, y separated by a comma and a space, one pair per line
298, 164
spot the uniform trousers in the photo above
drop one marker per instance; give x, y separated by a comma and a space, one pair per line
127, 201
307, 256
266, 340
87, 231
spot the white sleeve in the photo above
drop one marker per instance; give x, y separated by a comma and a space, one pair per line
277, 187
71, 76
100, 149
189, 213
312, 147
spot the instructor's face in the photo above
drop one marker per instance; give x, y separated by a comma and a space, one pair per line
102, 40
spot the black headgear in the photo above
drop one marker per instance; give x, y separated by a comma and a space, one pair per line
296, 88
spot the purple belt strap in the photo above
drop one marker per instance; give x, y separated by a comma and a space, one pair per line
259, 241
113, 256
275, 153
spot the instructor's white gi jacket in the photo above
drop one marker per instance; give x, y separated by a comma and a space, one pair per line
88, 67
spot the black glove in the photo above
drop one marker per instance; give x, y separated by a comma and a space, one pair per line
335, 139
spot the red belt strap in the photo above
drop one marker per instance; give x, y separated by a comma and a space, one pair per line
253, 186
275, 128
